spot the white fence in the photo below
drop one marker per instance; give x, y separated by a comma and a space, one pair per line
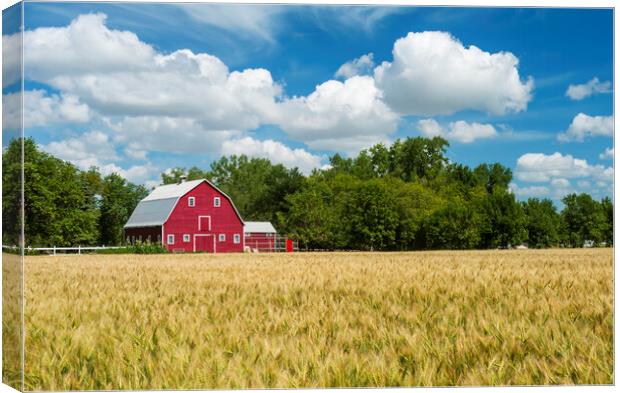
69, 250
270, 244
62, 250
275, 244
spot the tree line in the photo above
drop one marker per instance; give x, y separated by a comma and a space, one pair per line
406, 196
63, 206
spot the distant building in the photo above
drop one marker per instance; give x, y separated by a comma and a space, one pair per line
190, 216
588, 243
260, 235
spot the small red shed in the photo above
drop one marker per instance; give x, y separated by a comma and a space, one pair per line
260, 235
190, 216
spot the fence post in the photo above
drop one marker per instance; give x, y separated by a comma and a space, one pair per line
54, 250
79, 251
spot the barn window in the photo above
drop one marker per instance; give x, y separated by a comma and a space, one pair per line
170, 239
186, 238
236, 238
217, 202
222, 237
191, 201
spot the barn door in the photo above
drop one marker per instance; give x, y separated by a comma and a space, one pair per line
203, 243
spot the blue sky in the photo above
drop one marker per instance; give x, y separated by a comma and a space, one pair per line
109, 85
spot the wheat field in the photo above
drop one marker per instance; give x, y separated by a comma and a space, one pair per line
319, 320
11, 320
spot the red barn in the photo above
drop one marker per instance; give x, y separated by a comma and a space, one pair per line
260, 235
187, 217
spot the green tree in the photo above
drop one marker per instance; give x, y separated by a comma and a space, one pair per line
459, 180
11, 192
363, 167
371, 217
583, 219
340, 164
414, 203
257, 186
503, 221
57, 209
174, 175
608, 210
453, 227
418, 158
244, 180
272, 204
92, 185
380, 159
404, 196
119, 198
313, 217
492, 176
542, 223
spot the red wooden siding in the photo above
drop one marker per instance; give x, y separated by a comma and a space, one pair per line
185, 220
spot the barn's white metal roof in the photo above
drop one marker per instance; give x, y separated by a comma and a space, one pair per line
172, 190
151, 213
155, 209
258, 227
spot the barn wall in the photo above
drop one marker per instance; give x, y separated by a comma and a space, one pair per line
184, 220
152, 234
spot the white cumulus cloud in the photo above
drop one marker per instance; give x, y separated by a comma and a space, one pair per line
96, 148
430, 128
121, 76
151, 98
608, 154
584, 126
460, 131
349, 146
89, 149
84, 47
432, 73
593, 86
529, 192
11, 59
584, 184
138, 174
117, 74
41, 109
560, 183
168, 134
560, 175
337, 110
274, 151
361, 66
539, 167
136, 151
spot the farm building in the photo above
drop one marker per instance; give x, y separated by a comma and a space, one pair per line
187, 217
260, 235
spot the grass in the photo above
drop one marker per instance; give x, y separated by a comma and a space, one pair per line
319, 320
137, 248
